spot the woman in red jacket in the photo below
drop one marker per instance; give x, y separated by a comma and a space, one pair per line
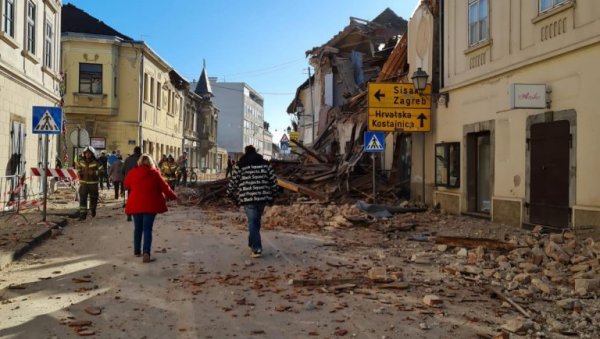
148, 193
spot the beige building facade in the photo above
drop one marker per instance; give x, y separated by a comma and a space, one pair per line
515, 137
29, 76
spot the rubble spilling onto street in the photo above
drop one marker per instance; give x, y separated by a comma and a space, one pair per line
545, 284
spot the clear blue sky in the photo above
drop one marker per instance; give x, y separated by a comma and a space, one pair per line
259, 42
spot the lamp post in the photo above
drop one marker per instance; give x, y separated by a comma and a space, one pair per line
419, 79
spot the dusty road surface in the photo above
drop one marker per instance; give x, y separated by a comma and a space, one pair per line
321, 282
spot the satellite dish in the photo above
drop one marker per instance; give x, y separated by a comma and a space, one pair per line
79, 137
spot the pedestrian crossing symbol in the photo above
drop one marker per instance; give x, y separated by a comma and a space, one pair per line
374, 142
47, 120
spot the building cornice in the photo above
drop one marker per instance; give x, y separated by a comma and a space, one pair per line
525, 63
28, 83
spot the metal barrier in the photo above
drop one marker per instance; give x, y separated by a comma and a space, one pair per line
15, 196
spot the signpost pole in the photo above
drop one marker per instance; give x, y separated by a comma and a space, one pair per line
46, 120
374, 178
45, 176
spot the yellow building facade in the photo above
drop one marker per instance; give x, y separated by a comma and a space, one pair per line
122, 93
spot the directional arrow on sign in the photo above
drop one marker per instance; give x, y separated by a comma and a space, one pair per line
379, 95
422, 118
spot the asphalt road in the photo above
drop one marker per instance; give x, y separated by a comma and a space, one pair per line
205, 285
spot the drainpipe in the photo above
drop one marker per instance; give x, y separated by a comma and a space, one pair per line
441, 45
140, 113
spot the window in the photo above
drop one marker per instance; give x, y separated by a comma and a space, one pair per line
158, 94
48, 45
145, 87
447, 164
30, 29
90, 78
169, 102
478, 21
151, 90
546, 5
8, 18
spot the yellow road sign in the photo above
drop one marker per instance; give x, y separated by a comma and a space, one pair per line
404, 119
401, 95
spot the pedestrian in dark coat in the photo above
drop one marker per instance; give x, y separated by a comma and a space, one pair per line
229, 169
148, 193
130, 163
253, 184
103, 173
116, 175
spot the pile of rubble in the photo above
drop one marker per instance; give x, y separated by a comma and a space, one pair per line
319, 178
552, 280
313, 216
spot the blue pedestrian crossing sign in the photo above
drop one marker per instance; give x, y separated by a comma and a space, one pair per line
47, 120
374, 142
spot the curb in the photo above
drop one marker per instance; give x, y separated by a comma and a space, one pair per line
36, 240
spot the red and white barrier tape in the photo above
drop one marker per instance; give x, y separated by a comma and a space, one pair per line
25, 203
55, 172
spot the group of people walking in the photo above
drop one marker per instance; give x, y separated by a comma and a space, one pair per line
252, 185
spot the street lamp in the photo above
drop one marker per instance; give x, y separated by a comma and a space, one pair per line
419, 79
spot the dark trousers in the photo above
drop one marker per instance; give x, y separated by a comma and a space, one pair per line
86, 190
142, 225
228, 172
103, 177
117, 186
183, 177
254, 214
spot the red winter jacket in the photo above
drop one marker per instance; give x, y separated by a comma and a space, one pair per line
147, 191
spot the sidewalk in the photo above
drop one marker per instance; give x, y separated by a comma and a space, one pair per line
21, 232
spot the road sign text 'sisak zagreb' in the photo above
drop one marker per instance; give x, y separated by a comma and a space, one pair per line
398, 96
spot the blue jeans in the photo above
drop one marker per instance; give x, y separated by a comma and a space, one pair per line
254, 213
142, 223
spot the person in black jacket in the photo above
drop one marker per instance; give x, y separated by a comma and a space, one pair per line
253, 185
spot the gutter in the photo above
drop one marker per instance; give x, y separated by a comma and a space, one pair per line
141, 98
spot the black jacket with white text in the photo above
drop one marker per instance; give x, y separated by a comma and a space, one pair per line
253, 181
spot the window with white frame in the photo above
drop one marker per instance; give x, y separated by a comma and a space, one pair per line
30, 28
48, 45
546, 5
8, 18
478, 21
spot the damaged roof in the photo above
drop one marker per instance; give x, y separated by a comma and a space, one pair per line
293, 107
76, 20
381, 29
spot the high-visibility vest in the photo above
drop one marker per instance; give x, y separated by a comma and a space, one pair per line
169, 170
88, 171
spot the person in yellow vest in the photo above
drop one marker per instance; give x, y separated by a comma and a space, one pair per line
88, 170
169, 169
